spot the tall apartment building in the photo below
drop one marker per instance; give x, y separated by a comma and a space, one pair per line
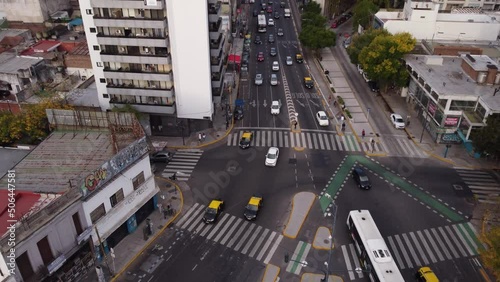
162, 57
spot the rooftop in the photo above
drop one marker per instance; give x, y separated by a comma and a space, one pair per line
449, 79
43, 46
81, 49
10, 63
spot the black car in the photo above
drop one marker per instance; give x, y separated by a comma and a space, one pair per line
161, 157
238, 113
270, 39
359, 175
255, 13
276, 15
273, 52
282, 4
213, 211
257, 40
373, 86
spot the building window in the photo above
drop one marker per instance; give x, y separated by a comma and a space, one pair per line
77, 223
138, 180
96, 214
93, 30
96, 47
105, 96
102, 80
45, 250
116, 198
99, 64
88, 11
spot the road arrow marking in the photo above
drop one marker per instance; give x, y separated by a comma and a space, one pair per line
265, 104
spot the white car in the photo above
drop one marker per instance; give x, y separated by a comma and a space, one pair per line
259, 79
360, 69
289, 61
274, 79
322, 118
275, 107
270, 22
276, 66
397, 121
272, 156
365, 77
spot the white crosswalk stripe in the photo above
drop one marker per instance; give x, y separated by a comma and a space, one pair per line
233, 232
401, 146
423, 247
311, 140
483, 184
183, 163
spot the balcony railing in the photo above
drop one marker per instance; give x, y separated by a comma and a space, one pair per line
214, 9
129, 18
144, 70
216, 44
146, 36
131, 102
132, 86
157, 53
215, 27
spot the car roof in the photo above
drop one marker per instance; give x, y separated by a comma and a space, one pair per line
274, 75
359, 170
322, 113
254, 201
307, 78
214, 204
397, 115
246, 134
272, 150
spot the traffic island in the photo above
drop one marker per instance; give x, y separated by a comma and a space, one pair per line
301, 204
322, 239
271, 273
315, 277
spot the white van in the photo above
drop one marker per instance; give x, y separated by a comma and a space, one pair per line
287, 13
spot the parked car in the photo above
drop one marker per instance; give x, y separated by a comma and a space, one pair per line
238, 112
373, 86
273, 52
272, 156
362, 180
397, 121
161, 157
322, 118
276, 66
259, 79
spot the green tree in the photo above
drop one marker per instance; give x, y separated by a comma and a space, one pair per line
316, 37
491, 255
487, 139
363, 13
313, 19
312, 7
34, 118
360, 41
382, 60
11, 128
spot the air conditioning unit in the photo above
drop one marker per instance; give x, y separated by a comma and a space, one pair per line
146, 49
122, 49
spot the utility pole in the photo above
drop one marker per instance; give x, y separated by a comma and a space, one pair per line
103, 252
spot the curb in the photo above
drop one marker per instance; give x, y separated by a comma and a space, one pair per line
299, 149
124, 268
382, 154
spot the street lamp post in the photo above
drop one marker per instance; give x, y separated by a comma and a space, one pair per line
424, 126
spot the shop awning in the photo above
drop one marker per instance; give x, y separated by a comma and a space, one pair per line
234, 59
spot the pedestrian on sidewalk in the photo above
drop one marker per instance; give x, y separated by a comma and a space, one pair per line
363, 134
407, 120
294, 124
373, 144
199, 138
343, 126
203, 136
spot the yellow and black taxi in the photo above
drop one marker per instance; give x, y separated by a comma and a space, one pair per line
213, 211
298, 58
425, 274
246, 139
308, 82
253, 207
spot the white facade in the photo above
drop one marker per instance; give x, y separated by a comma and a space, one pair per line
423, 21
132, 201
191, 61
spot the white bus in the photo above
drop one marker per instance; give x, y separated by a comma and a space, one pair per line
261, 25
371, 248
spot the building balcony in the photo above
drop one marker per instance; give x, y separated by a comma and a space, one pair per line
215, 30
132, 41
212, 2
214, 12
148, 108
216, 64
130, 22
217, 91
137, 75
135, 59
131, 90
125, 4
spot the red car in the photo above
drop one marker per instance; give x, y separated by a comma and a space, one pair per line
260, 57
269, 9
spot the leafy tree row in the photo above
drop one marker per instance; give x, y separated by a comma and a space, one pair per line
487, 139
30, 125
314, 34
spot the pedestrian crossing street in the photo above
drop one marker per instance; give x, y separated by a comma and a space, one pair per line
233, 232
319, 140
414, 249
183, 163
483, 184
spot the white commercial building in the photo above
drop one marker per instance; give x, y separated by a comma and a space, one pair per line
423, 20
82, 180
165, 63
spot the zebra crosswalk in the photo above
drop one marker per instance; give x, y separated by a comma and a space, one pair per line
423, 247
483, 184
319, 140
183, 163
250, 239
401, 146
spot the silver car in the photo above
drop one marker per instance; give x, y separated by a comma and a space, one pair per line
274, 79
289, 61
259, 79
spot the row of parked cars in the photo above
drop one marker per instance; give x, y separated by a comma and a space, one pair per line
342, 19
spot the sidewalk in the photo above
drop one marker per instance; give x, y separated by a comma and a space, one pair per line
134, 244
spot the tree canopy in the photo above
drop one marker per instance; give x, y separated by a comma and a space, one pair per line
487, 139
382, 58
30, 125
360, 41
491, 255
363, 13
314, 33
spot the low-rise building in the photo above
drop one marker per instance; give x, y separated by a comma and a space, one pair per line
453, 95
77, 194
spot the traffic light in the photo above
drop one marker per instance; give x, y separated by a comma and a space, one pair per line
287, 257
